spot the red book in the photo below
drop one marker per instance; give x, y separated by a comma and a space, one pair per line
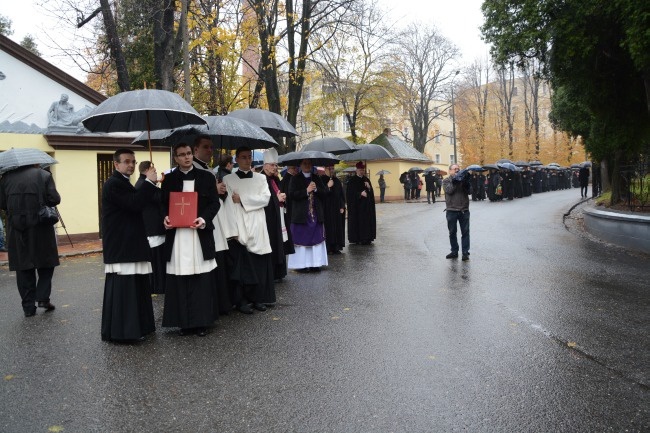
183, 208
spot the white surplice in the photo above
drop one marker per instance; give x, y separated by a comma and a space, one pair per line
187, 256
249, 215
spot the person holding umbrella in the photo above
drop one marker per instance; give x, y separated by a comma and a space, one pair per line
127, 312
334, 211
307, 193
31, 243
362, 222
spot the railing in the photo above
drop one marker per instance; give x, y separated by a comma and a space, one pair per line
635, 183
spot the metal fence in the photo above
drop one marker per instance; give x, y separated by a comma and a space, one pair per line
635, 183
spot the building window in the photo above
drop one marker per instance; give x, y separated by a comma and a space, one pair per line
305, 127
452, 160
437, 158
436, 138
330, 124
436, 112
346, 124
451, 137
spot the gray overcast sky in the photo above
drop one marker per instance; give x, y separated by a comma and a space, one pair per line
458, 20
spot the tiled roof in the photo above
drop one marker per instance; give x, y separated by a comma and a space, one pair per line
400, 148
20, 128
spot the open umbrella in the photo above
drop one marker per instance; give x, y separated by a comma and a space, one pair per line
382, 172
475, 167
21, 157
490, 166
416, 169
317, 158
142, 110
333, 145
522, 164
534, 163
349, 170
225, 133
503, 161
508, 166
586, 164
367, 152
272, 123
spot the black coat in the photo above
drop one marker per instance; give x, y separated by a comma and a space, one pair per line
299, 198
334, 219
208, 206
123, 234
152, 213
30, 244
362, 220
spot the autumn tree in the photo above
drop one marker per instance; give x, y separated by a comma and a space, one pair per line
351, 61
423, 61
472, 111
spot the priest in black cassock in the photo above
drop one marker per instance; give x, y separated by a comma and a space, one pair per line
127, 313
190, 252
155, 230
362, 222
276, 224
334, 205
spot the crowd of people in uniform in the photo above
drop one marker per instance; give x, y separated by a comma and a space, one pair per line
251, 229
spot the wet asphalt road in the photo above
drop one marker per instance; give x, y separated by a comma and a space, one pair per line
542, 330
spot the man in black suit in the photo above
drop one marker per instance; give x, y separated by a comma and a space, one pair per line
127, 312
190, 252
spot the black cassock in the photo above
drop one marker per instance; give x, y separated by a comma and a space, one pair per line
362, 223
127, 312
274, 227
334, 219
153, 216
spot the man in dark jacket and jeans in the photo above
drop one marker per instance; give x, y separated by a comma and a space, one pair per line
31, 244
457, 188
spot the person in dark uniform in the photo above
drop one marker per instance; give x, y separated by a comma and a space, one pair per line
334, 212
127, 312
430, 185
190, 252
583, 178
362, 220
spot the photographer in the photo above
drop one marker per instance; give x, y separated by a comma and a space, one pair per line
457, 189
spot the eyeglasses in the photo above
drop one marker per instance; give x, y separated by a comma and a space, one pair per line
181, 155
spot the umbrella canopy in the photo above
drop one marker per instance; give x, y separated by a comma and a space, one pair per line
333, 145
349, 170
367, 152
503, 161
272, 123
522, 164
550, 164
586, 164
382, 172
475, 167
316, 157
490, 166
225, 133
575, 166
142, 110
416, 169
534, 163
508, 166
21, 157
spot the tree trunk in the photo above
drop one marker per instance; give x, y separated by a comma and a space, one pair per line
115, 47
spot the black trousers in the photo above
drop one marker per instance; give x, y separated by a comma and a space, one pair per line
32, 291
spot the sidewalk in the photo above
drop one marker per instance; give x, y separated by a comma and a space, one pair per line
66, 250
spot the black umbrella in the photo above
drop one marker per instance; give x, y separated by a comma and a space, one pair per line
522, 164
534, 163
586, 164
142, 110
504, 161
225, 133
20, 157
490, 166
508, 166
333, 145
367, 152
349, 170
416, 169
382, 172
475, 167
316, 157
272, 123
575, 165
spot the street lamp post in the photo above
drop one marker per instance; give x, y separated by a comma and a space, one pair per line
453, 118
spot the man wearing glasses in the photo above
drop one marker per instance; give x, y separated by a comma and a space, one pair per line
457, 188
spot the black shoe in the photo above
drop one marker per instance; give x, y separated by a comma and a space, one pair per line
47, 305
259, 307
452, 256
303, 270
245, 309
185, 331
201, 332
465, 257
30, 313
314, 269
269, 304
